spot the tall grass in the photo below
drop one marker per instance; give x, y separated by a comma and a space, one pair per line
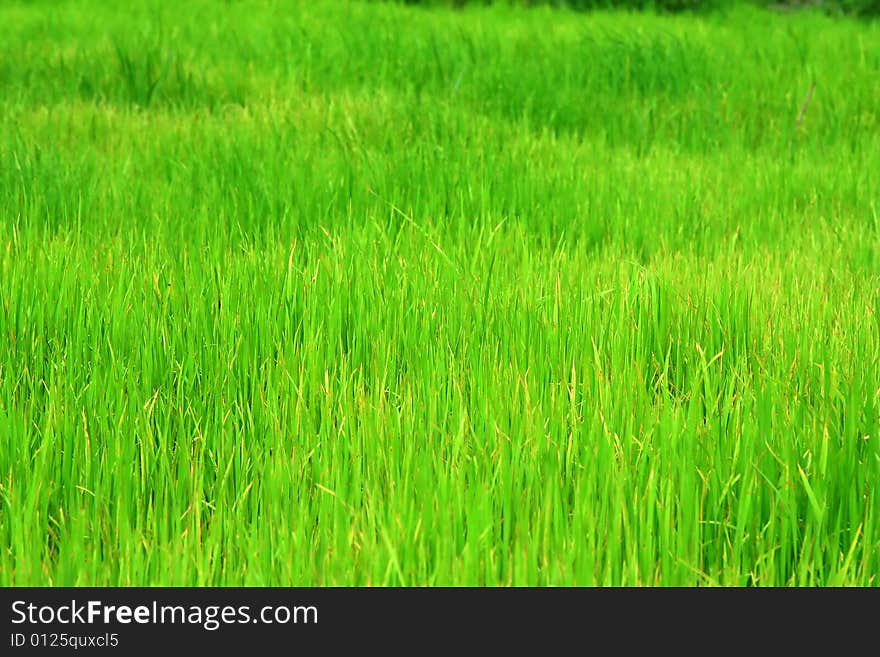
342, 293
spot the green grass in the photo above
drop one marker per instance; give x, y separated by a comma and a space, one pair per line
338, 293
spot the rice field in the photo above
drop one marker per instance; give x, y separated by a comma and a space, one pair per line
354, 293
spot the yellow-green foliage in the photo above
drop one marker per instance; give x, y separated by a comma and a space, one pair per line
352, 293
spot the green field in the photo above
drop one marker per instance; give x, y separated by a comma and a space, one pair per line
349, 293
